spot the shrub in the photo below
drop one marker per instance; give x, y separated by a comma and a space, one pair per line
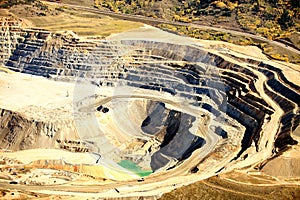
59, 9
41, 14
285, 20
279, 57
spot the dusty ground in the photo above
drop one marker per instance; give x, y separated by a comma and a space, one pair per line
29, 94
56, 18
229, 186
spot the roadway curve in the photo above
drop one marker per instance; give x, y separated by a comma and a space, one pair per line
153, 185
151, 20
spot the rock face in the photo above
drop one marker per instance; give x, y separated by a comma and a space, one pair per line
11, 32
172, 128
245, 103
20, 133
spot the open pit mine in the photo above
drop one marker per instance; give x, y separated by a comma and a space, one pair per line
139, 113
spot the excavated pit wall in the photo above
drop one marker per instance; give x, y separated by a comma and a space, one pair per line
208, 80
11, 32
19, 132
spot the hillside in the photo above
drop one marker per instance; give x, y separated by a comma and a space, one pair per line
268, 17
272, 19
228, 186
8, 3
100, 105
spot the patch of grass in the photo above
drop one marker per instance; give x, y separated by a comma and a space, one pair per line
83, 23
87, 3
269, 18
271, 51
205, 34
279, 53
197, 33
10, 3
218, 188
280, 57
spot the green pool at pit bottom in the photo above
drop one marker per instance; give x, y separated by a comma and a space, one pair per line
128, 164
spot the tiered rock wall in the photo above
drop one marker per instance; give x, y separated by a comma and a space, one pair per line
209, 81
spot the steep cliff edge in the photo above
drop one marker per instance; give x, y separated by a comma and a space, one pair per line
19, 132
179, 109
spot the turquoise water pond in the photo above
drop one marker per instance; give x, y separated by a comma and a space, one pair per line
128, 164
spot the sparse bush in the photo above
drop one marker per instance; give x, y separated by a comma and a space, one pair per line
295, 3
254, 16
59, 9
285, 20
10, 3
41, 14
274, 2
29, 1
279, 57
262, 30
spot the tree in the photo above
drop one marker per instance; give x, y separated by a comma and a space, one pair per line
285, 20
274, 2
295, 3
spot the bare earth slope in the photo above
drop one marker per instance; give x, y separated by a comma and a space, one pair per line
141, 113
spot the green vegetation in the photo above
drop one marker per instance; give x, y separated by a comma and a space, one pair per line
273, 52
273, 19
184, 11
207, 34
127, 164
285, 20
270, 18
10, 3
261, 16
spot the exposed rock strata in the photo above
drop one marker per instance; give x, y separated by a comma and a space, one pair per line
230, 109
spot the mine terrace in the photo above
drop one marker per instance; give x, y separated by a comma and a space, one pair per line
135, 115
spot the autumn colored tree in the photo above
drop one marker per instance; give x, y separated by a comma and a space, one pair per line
285, 20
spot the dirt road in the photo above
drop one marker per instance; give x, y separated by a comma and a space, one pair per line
151, 20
